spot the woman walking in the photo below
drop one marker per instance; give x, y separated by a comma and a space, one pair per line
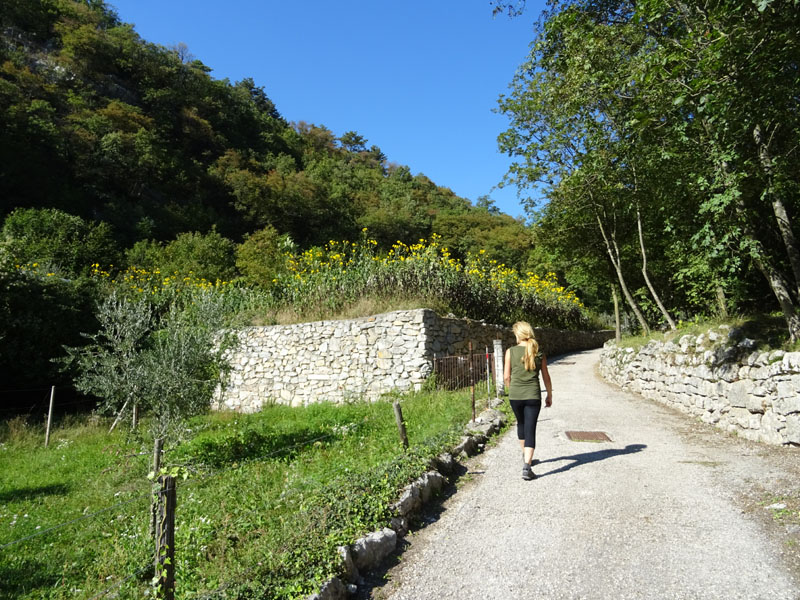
521, 375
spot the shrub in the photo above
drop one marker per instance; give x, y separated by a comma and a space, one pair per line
168, 363
262, 256
39, 313
209, 256
62, 242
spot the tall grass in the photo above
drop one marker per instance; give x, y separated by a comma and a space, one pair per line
268, 498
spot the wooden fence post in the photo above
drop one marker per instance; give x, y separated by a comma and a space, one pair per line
165, 538
499, 384
471, 382
157, 446
488, 379
401, 425
49, 416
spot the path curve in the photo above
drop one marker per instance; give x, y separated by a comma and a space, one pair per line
656, 513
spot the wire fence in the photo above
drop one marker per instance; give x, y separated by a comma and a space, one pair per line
463, 371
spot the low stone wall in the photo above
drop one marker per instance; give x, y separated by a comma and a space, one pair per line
719, 378
361, 358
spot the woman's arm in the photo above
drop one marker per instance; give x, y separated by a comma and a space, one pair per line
547, 383
507, 369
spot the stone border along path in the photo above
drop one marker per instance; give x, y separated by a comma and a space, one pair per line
670, 508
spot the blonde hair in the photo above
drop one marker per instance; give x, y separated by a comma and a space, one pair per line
524, 333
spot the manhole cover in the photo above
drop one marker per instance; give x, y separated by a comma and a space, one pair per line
588, 436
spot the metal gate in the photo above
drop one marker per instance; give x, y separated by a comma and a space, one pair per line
462, 371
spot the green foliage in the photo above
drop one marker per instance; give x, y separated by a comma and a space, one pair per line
633, 115
143, 138
166, 363
59, 241
328, 279
39, 312
208, 256
265, 525
261, 257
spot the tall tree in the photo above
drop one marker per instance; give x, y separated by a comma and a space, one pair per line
706, 92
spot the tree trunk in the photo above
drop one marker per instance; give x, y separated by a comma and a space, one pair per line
781, 291
647, 277
615, 260
778, 208
775, 279
618, 329
721, 302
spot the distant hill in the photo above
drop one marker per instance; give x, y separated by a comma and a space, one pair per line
99, 123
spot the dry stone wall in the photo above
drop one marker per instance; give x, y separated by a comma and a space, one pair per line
719, 378
360, 358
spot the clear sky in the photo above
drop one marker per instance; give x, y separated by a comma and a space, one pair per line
418, 78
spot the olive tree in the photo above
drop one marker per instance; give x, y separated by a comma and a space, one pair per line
167, 363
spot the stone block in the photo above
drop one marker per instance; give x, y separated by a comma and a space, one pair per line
468, 446
789, 388
333, 589
755, 404
399, 525
740, 417
754, 422
786, 406
369, 551
771, 425
349, 569
792, 431
791, 361
445, 463
750, 434
409, 502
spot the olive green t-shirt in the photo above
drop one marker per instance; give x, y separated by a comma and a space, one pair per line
524, 384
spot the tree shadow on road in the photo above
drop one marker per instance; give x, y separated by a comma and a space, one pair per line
589, 457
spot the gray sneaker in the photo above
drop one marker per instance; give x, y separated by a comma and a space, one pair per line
527, 473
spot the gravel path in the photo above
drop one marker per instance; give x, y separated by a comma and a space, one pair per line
669, 509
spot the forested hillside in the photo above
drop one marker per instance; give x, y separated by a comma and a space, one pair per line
127, 165
108, 127
662, 137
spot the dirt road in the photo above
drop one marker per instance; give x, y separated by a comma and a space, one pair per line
669, 508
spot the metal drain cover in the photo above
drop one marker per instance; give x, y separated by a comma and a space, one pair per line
588, 436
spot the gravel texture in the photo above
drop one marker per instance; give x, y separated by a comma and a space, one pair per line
669, 509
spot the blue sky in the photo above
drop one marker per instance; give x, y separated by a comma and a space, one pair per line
418, 78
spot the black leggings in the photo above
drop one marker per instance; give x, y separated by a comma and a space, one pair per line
527, 413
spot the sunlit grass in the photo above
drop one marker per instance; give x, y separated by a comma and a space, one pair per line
268, 498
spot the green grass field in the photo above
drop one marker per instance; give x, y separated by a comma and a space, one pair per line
267, 499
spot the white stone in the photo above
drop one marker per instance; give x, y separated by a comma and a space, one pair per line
791, 361
786, 406
369, 551
793, 429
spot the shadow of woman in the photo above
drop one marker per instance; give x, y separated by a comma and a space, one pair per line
589, 457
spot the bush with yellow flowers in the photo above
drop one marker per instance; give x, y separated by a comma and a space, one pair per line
325, 280
341, 272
